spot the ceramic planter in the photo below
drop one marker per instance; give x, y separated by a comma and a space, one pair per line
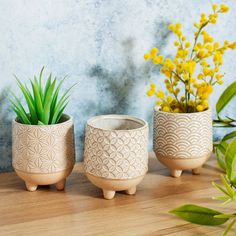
182, 140
43, 154
116, 154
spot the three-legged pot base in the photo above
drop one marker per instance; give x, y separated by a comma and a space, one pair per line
177, 165
32, 180
110, 186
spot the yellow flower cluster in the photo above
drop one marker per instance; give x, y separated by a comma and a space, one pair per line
194, 69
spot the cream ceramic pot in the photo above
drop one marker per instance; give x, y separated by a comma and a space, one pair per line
116, 154
182, 140
43, 154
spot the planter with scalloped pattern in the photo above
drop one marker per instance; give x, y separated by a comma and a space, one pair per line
182, 140
43, 154
116, 154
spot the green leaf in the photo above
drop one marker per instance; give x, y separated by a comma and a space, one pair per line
30, 102
220, 188
225, 97
40, 83
230, 159
229, 136
63, 101
229, 227
220, 156
40, 123
198, 215
60, 113
38, 101
47, 101
55, 97
48, 84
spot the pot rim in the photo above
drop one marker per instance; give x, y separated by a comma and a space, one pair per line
70, 119
156, 109
122, 117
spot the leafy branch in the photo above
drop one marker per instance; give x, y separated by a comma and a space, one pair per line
207, 216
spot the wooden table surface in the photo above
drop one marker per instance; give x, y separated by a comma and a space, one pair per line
81, 209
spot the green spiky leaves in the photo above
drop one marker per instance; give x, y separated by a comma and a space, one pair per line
44, 104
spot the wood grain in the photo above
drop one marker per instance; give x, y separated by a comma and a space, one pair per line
81, 209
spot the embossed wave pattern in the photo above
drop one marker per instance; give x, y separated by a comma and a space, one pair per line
43, 149
182, 135
114, 154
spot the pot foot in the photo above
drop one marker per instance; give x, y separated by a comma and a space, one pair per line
61, 184
196, 171
131, 191
31, 187
176, 173
108, 194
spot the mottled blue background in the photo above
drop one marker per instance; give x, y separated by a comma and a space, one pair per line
99, 44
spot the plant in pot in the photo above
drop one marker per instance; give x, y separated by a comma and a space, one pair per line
43, 136
182, 119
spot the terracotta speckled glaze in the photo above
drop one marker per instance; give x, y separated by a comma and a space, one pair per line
43, 154
116, 154
182, 140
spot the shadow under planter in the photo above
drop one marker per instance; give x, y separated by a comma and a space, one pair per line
182, 140
43, 154
116, 153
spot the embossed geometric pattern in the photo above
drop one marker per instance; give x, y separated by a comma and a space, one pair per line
180, 135
43, 149
115, 154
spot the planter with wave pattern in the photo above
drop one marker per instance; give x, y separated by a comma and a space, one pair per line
116, 153
43, 154
182, 141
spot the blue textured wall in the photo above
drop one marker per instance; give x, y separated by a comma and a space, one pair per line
99, 44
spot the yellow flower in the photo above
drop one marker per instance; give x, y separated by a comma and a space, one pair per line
209, 89
214, 7
232, 45
200, 108
177, 91
171, 27
160, 94
169, 99
159, 102
201, 54
152, 86
178, 25
187, 44
176, 43
147, 56
150, 92
219, 76
205, 104
158, 59
154, 51
209, 47
216, 45
176, 110
224, 8
166, 109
